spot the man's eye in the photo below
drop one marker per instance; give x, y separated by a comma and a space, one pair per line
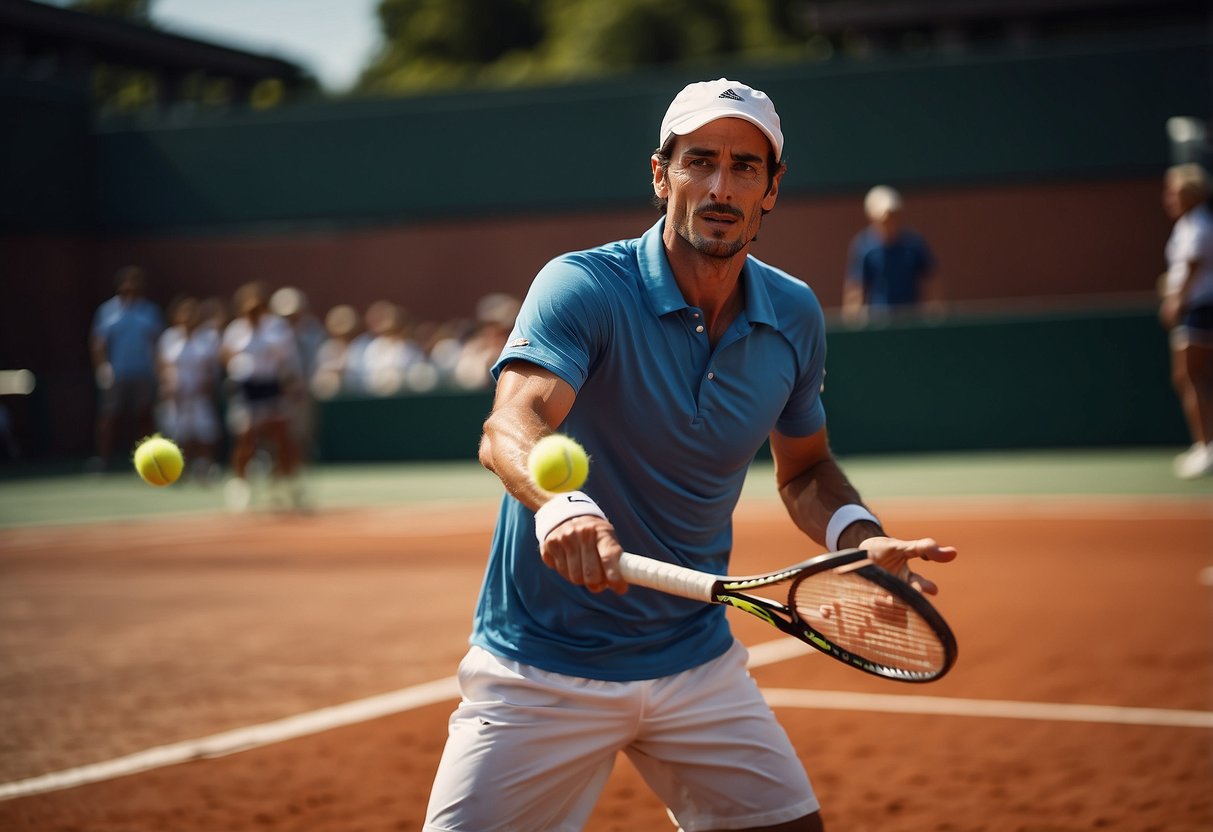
699, 163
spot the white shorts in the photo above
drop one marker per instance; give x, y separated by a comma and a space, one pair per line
529, 749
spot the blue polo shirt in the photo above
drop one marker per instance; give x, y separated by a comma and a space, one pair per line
891, 274
130, 331
671, 425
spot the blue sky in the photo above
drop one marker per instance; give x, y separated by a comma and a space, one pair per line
334, 39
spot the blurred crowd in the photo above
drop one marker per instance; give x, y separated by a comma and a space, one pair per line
384, 352
250, 369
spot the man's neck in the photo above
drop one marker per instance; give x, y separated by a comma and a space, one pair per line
712, 285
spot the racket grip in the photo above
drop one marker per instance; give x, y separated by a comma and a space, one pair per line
666, 577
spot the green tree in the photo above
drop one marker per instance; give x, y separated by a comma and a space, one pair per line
442, 43
120, 87
447, 42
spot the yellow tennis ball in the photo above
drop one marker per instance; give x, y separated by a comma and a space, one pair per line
558, 463
158, 460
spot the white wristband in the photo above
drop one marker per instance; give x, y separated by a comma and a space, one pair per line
563, 507
845, 516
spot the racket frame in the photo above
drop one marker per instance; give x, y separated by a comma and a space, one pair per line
733, 591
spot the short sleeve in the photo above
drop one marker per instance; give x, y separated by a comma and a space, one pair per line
804, 414
562, 322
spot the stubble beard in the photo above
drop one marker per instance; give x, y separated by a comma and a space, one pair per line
712, 247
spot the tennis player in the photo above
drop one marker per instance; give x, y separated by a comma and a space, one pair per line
671, 358
1187, 310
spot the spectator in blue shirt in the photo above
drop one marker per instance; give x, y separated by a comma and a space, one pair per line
125, 332
889, 267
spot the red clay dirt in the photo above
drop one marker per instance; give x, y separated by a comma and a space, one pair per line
120, 637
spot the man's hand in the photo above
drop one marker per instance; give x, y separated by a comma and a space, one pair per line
584, 551
895, 555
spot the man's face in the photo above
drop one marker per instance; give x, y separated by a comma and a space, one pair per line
716, 187
1176, 200
888, 226
130, 286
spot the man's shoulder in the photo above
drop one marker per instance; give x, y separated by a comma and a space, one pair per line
619, 253
794, 307
611, 265
1200, 220
1194, 228
778, 281
109, 306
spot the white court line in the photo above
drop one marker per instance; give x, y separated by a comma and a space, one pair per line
240, 739
1003, 709
442, 690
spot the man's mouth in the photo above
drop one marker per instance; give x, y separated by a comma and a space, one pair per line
721, 217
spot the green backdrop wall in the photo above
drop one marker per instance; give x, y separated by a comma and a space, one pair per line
1088, 111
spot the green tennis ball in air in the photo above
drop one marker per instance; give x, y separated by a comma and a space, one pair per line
558, 463
158, 461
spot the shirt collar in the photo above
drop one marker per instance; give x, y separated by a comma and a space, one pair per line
665, 296
656, 274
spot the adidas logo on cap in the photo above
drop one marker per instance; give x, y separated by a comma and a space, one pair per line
730, 94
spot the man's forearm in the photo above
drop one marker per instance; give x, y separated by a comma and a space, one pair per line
815, 497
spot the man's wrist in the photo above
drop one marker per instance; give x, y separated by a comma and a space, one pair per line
561, 508
851, 524
858, 533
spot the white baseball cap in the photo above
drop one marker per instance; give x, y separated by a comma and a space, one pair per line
706, 101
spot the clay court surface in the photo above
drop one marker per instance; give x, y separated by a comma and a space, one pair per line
1083, 697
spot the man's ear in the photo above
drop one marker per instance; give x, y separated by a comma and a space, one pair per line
660, 184
768, 201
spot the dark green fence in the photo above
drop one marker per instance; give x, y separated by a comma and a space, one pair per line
1063, 380
431, 427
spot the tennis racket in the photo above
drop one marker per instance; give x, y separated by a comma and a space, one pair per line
841, 603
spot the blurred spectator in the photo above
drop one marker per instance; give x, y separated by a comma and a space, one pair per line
341, 326
291, 304
479, 354
213, 314
498, 308
123, 347
262, 363
396, 356
188, 363
378, 317
446, 345
391, 356
889, 267
1187, 310
495, 316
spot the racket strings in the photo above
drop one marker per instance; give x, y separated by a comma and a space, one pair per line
861, 618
